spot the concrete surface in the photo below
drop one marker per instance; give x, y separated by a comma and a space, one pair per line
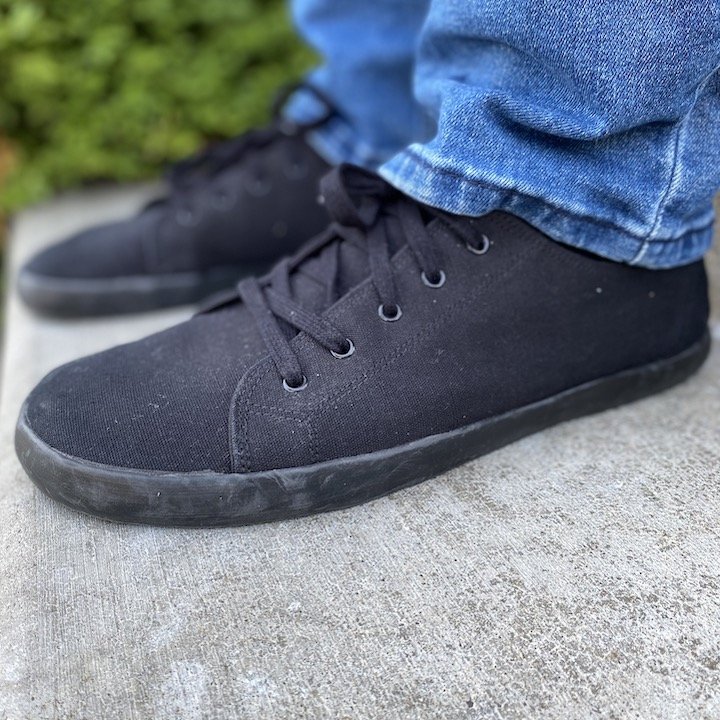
575, 574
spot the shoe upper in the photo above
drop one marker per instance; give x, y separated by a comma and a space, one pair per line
245, 202
398, 323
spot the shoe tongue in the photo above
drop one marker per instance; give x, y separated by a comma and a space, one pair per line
310, 282
223, 160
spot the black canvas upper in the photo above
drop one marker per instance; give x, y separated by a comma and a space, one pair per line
507, 318
245, 202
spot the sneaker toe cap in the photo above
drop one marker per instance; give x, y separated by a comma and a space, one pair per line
104, 251
158, 404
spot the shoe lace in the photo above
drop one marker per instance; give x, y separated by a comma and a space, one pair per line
363, 208
186, 176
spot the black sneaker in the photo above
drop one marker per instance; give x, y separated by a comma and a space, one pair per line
231, 211
397, 345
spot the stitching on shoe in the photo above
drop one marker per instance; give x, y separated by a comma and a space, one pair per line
240, 456
149, 248
238, 425
243, 402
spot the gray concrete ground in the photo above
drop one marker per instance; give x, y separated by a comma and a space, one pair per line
575, 574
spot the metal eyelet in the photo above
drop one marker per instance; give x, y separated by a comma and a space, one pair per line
347, 353
296, 170
389, 317
258, 187
295, 388
440, 275
223, 199
187, 218
484, 247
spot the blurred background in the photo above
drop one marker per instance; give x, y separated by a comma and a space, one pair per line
113, 90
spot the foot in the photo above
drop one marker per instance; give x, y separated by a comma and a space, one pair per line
403, 342
231, 211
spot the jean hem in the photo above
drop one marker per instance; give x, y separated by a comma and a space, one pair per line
458, 194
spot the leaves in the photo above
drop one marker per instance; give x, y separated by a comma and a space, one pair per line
114, 89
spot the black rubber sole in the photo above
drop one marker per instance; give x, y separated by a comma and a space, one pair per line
205, 499
77, 298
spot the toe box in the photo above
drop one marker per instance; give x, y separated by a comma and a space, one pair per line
161, 403
102, 252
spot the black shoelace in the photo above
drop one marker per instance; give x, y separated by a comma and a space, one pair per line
195, 172
362, 207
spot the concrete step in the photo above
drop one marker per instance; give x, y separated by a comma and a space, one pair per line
575, 573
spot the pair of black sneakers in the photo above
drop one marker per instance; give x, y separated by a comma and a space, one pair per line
387, 342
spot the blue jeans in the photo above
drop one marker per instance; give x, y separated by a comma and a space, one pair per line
596, 121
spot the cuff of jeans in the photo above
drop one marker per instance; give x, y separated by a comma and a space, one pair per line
458, 194
336, 141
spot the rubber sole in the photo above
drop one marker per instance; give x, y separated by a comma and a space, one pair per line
78, 297
208, 499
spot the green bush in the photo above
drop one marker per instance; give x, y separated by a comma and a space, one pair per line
114, 89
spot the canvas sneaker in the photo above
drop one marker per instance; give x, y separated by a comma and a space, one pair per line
231, 211
400, 343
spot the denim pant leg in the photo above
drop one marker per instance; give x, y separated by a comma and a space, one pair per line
598, 122
369, 50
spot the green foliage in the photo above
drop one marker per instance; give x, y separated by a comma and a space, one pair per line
114, 89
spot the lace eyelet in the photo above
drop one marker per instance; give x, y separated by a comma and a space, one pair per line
223, 199
436, 279
482, 249
389, 316
350, 350
295, 388
296, 170
258, 187
187, 218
